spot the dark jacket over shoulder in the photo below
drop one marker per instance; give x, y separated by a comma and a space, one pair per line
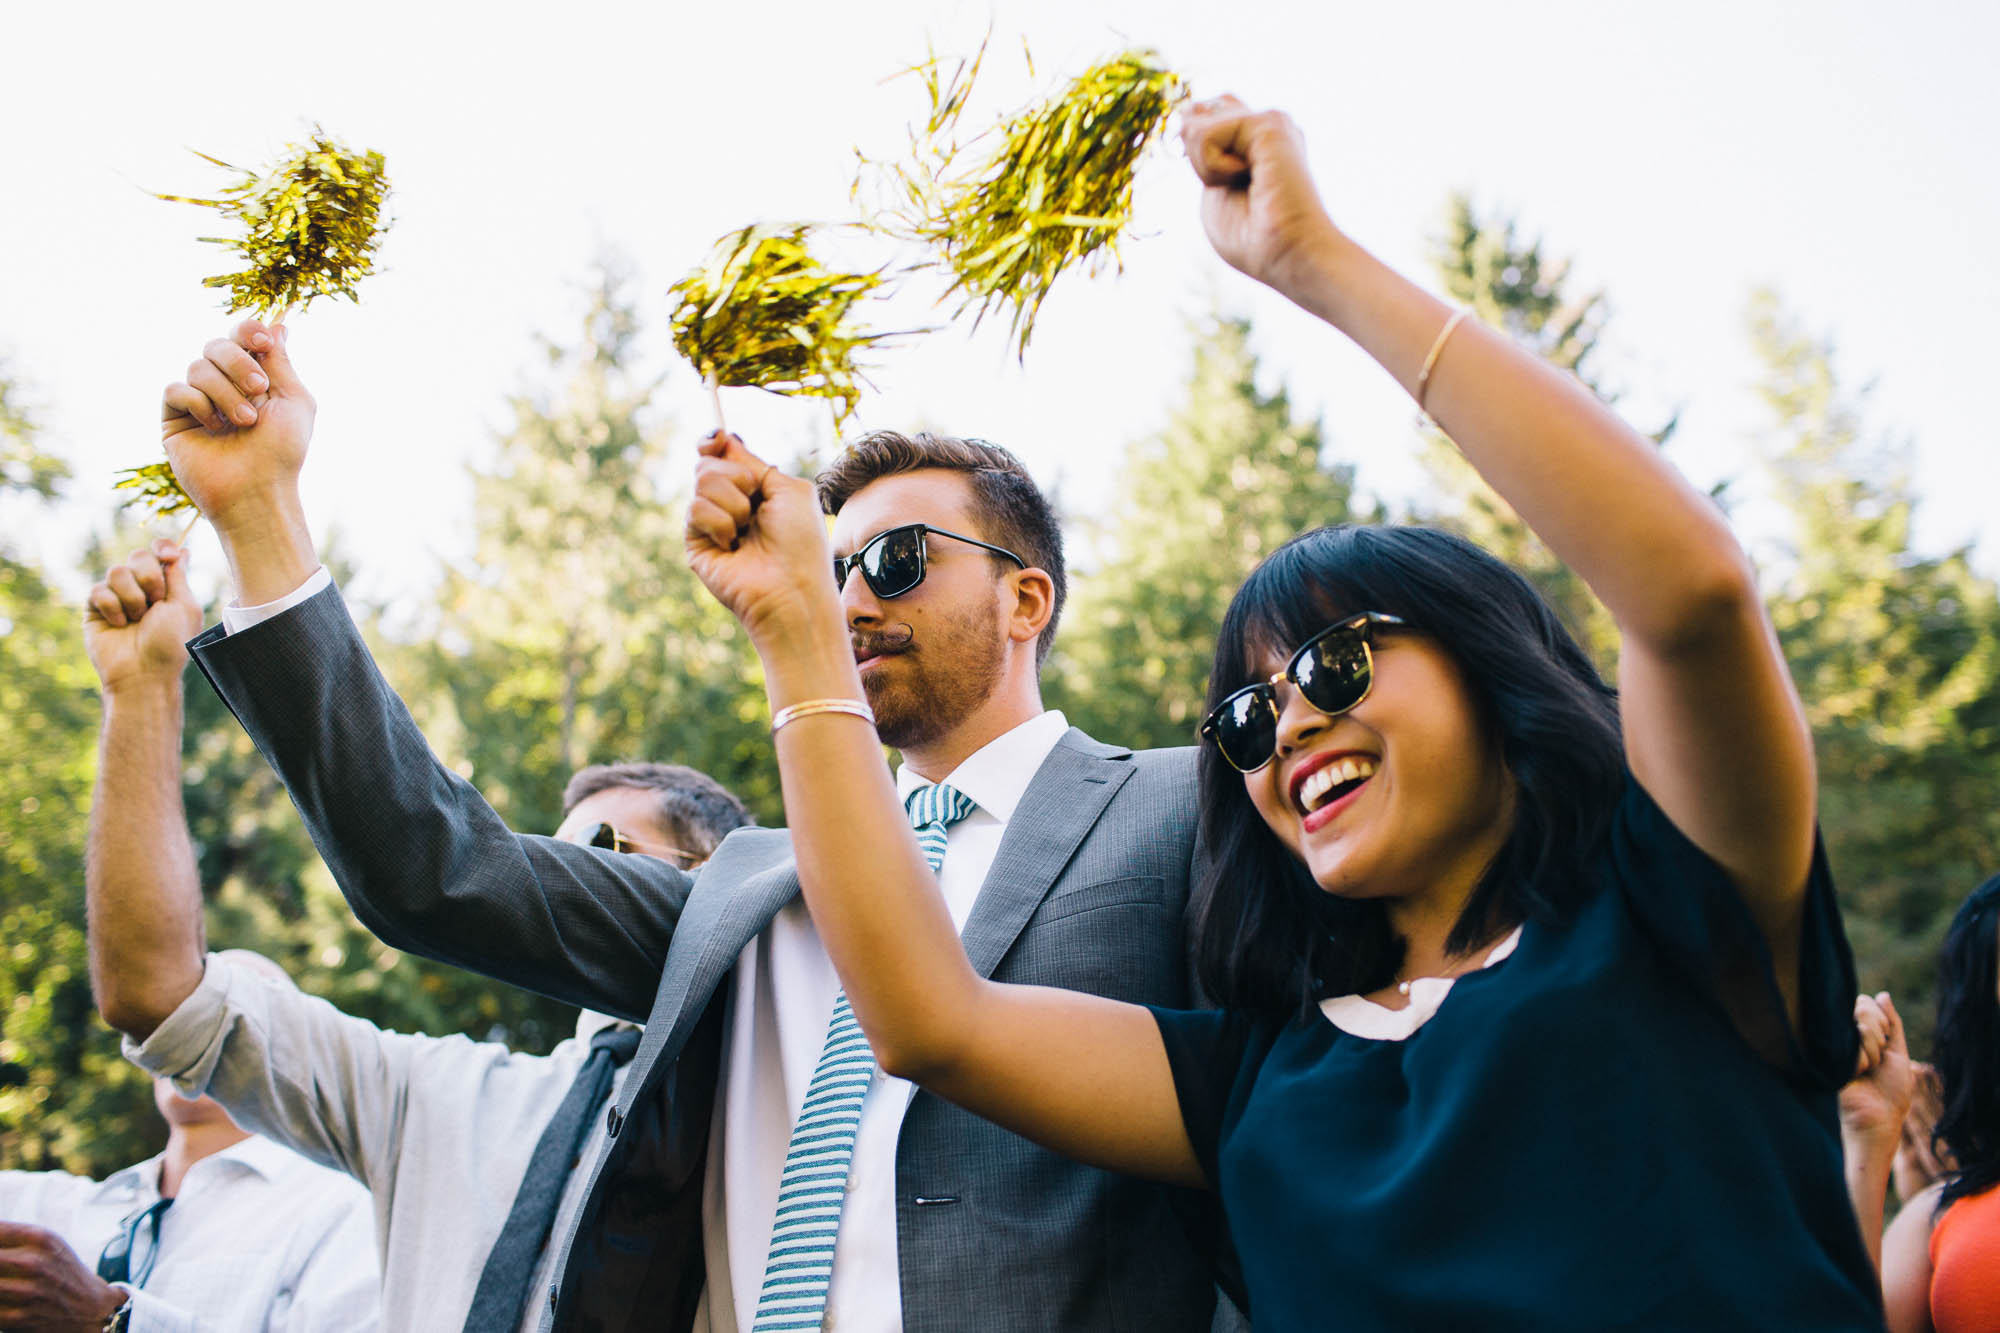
1086, 892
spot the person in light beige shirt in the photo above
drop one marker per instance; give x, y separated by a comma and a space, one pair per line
439, 1129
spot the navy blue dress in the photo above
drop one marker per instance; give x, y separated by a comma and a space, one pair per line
1615, 1127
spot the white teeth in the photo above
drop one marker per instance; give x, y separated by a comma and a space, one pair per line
1348, 768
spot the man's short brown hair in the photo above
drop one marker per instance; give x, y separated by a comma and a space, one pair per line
1011, 509
695, 811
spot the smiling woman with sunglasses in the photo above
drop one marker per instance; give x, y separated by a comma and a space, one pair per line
1534, 996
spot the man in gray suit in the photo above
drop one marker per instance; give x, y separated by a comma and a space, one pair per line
1072, 869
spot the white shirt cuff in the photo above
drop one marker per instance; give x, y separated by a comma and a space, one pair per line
236, 619
187, 1044
150, 1314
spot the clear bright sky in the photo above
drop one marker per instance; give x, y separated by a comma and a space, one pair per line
1842, 152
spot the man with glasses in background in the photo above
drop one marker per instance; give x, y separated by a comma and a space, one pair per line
468, 1149
224, 1232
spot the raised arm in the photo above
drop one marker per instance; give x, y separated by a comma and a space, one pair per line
1085, 1076
143, 896
423, 859
1713, 727
1872, 1108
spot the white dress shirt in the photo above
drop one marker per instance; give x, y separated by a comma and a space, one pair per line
236, 619
439, 1129
781, 1000
257, 1239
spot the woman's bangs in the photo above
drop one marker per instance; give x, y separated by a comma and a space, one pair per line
1300, 590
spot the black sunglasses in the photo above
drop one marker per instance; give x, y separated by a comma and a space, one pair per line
1332, 671
611, 840
893, 562
115, 1264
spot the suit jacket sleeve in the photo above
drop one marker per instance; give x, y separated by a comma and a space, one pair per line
425, 862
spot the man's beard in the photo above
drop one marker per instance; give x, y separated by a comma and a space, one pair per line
942, 682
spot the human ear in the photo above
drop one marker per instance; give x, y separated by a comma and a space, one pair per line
1034, 603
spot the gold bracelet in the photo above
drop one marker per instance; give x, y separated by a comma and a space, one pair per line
794, 712
1430, 361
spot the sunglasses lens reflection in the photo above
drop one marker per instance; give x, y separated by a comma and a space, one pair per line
604, 836
1246, 728
115, 1264
1333, 672
894, 562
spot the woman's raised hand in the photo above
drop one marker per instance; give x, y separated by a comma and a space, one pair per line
1875, 1103
1259, 205
757, 540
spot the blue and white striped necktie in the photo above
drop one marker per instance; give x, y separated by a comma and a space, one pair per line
814, 1183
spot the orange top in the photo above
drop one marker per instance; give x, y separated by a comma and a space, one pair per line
1965, 1266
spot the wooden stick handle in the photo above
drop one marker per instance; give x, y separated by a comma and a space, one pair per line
715, 397
183, 538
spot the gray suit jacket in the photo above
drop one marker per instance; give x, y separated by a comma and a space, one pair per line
993, 1232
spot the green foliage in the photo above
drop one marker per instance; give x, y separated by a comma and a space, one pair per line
67, 1100
1897, 656
311, 225
1234, 475
1513, 286
23, 466
762, 312
578, 634
1007, 211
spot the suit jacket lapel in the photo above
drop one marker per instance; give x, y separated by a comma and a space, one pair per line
1068, 793
711, 934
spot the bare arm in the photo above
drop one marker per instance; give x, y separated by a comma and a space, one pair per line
1906, 1265
144, 899
1085, 1076
1872, 1109
1713, 726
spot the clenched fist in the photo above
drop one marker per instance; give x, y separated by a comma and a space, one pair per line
237, 427
1259, 206
139, 618
757, 540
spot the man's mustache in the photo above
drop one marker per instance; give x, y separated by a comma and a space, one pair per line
882, 642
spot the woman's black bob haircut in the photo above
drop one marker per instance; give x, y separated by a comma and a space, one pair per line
1266, 938
1966, 1046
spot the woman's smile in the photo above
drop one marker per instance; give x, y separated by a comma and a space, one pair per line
1327, 784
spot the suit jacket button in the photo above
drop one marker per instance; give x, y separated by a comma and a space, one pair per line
613, 1121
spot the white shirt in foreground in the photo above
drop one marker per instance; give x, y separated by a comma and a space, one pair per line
257, 1239
440, 1129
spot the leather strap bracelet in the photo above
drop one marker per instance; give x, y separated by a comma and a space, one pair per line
794, 712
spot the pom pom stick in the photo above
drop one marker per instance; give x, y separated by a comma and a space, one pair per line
311, 225
763, 312
1049, 187
157, 488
